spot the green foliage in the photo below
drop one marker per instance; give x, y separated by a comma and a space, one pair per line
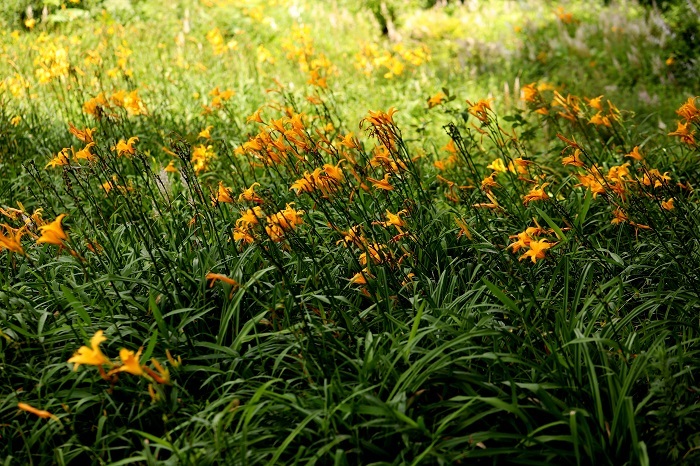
304, 291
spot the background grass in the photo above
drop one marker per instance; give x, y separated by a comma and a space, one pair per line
454, 350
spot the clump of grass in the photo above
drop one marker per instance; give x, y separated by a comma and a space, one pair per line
200, 271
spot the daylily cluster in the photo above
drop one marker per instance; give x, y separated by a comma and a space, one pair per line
690, 113
391, 63
280, 139
101, 105
534, 249
64, 155
326, 180
571, 107
372, 253
277, 225
49, 233
218, 99
129, 362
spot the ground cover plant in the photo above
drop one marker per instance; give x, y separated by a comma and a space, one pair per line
299, 232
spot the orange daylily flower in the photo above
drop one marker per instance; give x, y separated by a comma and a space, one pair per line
37, 412
537, 250
436, 100
85, 153
11, 242
489, 182
92, 355
382, 184
574, 160
60, 159
255, 117
480, 109
171, 168
529, 93
130, 362
536, 194
596, 103
249, 194
126, 147
686, 135
53, 233
360, 278
668, 204
224, 194
618, 217
205, 133
600, 120
688, 110
635, 154
84, 135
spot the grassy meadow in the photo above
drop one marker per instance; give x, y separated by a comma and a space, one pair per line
342, 232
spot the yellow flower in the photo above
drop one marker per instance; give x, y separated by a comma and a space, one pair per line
686, 135
498, 166
688, 110
84, 135
480, 109
382, 184
85, 153
529, 93
596, 103
11, 242
574, 159
60, 159
53, 233
537, 250
436, 100
205, 133
126, 147
130, 362
536, 194
635, 154
171, 168
224, 194
668, 205
248, 194
91, 356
